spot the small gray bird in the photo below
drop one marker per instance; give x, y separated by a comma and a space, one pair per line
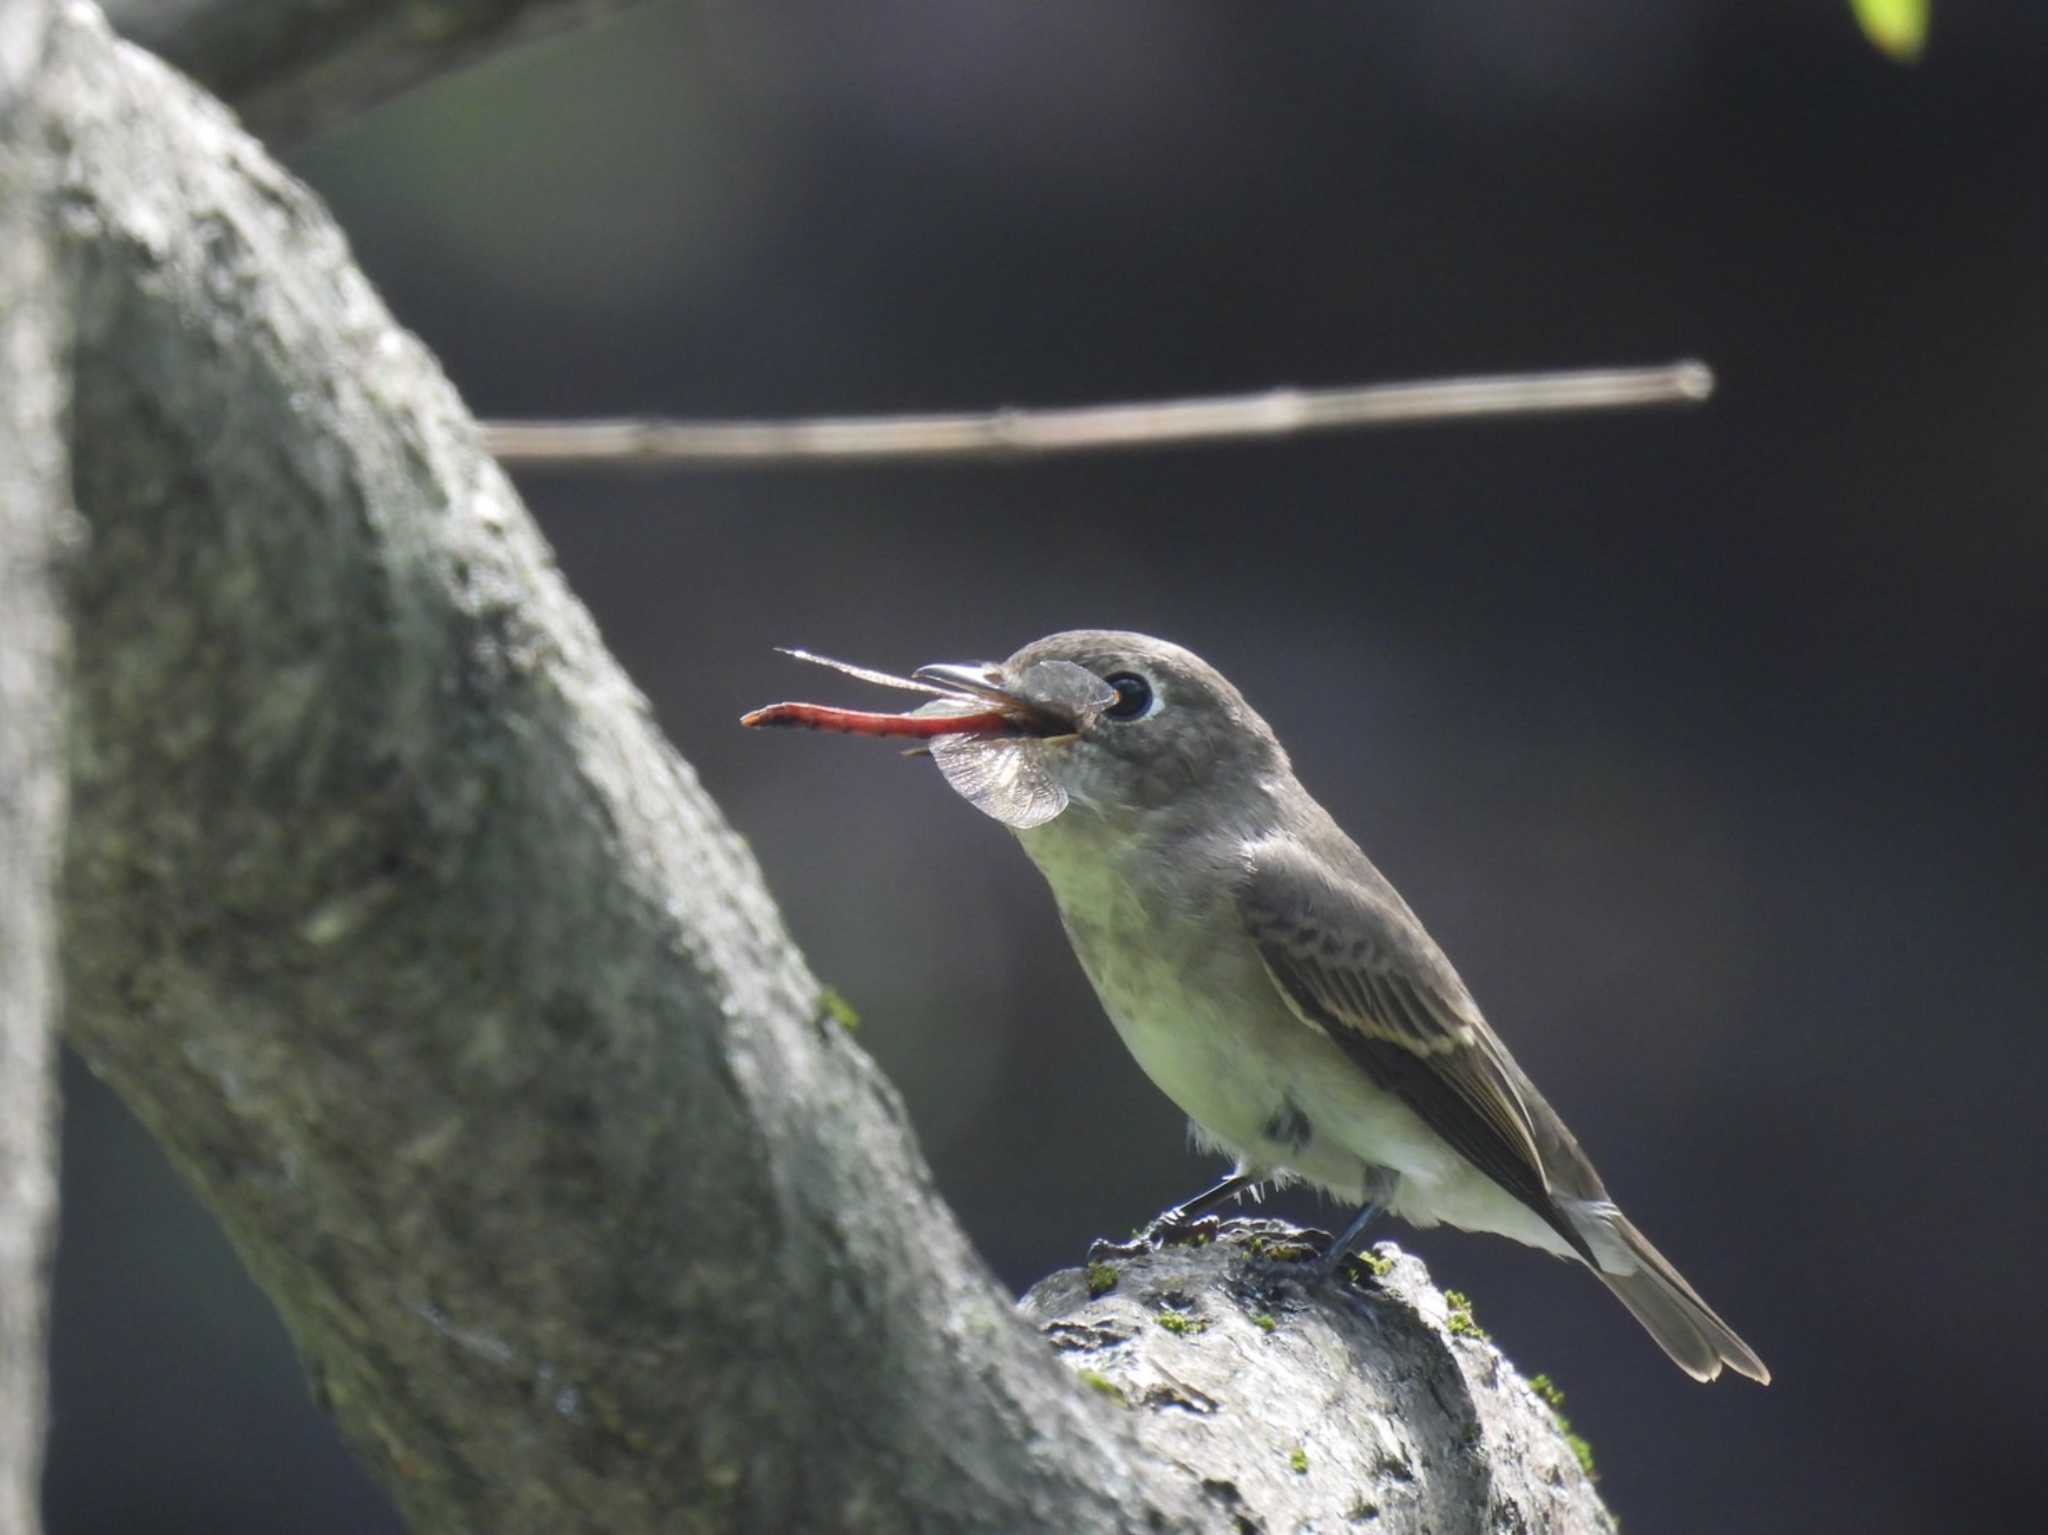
1266, 976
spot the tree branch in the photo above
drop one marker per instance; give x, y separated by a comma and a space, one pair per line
437, 974
291, 68
429, 962
1375, 1403
1091, 428
34, 524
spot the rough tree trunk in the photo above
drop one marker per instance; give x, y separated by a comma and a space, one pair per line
34, 527
433, 969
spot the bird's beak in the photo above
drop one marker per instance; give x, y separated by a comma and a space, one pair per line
1014, 776
978, 679
1049, 699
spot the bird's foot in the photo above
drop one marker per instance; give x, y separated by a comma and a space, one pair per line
1169, 1228
1311, 1258
1361, 1270
1341, 1254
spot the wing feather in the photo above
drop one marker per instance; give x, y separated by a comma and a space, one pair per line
1352, 960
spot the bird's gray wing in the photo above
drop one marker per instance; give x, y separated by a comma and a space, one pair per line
1353, 961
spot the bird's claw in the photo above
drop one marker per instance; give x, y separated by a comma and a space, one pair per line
1169, 1228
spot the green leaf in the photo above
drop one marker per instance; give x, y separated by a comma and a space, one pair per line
1895, 27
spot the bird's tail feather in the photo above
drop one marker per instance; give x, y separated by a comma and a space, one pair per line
1685, 1326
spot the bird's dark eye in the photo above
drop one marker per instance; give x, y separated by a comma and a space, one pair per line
1133, 696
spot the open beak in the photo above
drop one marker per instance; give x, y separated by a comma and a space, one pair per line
987, 729
977, 679
969, 701
1051, 699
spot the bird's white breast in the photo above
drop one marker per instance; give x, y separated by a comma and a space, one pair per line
1188, 994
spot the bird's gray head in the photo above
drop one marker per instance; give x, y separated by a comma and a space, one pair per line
1120, 724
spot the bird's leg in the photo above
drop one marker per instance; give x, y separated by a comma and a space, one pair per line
1171, 1222
1380, 1183
1341, 1248
1193, 1209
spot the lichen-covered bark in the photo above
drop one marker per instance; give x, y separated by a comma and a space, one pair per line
293, 67
35, 525
1371, 1404
433, 969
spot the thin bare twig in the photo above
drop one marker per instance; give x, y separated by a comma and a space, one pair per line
1090, 428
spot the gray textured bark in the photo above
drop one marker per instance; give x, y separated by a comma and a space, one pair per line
1368, 1404
436, 973
293, 67
35, 520
392, 916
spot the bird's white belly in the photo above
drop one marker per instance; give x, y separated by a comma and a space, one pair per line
1196, 1007
1205, 1022
1279, 1097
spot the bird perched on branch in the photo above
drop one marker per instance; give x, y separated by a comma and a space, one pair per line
1264, 974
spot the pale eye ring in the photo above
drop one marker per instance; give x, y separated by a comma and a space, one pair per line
1134, 698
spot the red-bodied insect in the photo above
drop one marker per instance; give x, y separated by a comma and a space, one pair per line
988, 734
949, 712
863, 722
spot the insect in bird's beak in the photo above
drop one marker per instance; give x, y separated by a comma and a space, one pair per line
987, 733
967, 700
950, 711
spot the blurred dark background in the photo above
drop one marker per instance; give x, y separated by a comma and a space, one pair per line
1710, 744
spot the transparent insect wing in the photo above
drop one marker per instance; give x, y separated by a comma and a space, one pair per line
1001, 776
864, 673
952, 703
